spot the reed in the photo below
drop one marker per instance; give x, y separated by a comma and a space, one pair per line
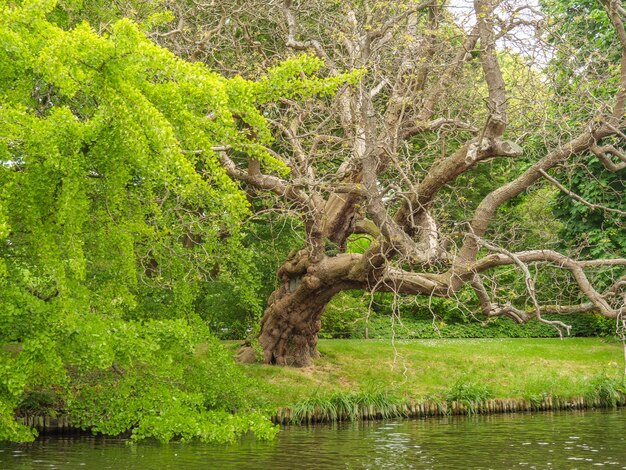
604, 391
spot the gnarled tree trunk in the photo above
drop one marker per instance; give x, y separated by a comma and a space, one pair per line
292, 318
291, 323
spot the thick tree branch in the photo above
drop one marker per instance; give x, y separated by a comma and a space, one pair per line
555, 259
601, 153
271, 183
497, 119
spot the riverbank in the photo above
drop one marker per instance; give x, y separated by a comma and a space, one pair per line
372, 379
434, 377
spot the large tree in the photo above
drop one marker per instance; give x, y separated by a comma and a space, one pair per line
392, 157
113, 209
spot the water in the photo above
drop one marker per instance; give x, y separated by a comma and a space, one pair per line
560, 440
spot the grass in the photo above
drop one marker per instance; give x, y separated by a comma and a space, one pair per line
466, 370
469, 393
346, 405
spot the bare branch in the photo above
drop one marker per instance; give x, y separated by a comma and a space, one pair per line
435, 125
601, 152
397, 19
304, 45
497, 119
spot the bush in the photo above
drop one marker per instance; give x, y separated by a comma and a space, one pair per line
160, 379
407, 327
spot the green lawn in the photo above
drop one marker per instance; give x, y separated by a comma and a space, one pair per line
416, 369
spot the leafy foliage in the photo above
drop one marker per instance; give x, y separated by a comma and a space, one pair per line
587, 29
182, 384
115, 213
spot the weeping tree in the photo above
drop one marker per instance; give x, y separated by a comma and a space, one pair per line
114, 208
391, 158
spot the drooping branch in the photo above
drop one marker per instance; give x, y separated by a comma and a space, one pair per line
518, 315
490, 308
576, 268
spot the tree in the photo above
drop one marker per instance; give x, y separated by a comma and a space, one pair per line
114, 208
595, 216
388, 159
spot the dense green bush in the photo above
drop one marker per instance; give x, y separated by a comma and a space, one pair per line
158, 379
347, 317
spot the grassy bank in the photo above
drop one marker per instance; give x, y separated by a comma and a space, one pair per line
374, 378
447, 370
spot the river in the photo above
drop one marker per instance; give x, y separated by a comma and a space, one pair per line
559, 440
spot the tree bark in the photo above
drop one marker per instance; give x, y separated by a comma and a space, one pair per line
291, 323
292, 318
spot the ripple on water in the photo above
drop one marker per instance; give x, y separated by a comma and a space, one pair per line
549, 440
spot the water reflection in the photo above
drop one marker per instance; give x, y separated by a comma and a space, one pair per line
575, 440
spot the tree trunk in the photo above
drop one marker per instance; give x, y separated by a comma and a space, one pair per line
292, 321
292, 318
